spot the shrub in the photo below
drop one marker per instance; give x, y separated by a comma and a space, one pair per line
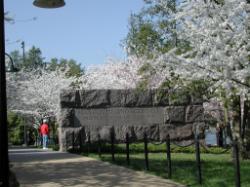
15, 129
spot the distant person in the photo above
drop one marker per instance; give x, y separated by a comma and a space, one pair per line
44, 130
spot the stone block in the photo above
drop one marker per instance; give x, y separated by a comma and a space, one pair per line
196, 100
105, 133
120, 132
93, 132
181, 133
94, 98
152, 132
194, 113
164, 130
67, 139
174, 114
66, 117
136, 98
68, 98
117, 98
176, 133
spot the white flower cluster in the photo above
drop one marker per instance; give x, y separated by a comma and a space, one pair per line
218, 40
36, 92
114, 74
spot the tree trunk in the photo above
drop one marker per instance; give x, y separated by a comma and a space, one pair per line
245, 136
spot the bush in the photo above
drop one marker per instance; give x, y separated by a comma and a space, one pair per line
15, 129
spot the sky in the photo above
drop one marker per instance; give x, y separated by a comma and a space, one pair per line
89, 31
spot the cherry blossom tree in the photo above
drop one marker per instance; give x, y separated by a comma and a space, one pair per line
36, 92
114, 74
217, 39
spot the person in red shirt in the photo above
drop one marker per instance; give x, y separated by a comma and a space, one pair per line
44, 130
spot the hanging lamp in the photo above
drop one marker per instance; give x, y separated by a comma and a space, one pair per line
49, 3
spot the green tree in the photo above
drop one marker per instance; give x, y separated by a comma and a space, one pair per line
33, 59
17, 58
151, 30
53, 64
72, 67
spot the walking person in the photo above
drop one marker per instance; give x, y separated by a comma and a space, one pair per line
44, 129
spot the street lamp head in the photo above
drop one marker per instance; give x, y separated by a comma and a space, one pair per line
49, 3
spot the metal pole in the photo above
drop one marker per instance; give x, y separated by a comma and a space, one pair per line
169, 157
23, 47
80, 141
198, 159
127, 148
236, 161
99, 145
4, 158
112, 136
88, 144
73, 141
146, 150
25, 135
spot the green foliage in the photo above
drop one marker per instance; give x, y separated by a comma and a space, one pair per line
74, 69
146, 70
151, 30
17, 58
199, 88
33, 59
147, 67
143, 40
15, 129
30, 60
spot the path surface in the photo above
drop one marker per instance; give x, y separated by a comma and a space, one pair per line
34, 167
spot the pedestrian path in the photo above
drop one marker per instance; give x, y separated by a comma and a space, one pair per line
46, 168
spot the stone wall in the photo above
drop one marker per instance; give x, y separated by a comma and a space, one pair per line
98, 112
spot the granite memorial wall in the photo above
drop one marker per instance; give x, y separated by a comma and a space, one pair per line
96, 113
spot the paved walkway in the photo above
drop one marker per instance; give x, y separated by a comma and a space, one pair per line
34, 167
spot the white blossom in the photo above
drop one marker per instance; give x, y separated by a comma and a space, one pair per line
217, 35
114, 74
36, 92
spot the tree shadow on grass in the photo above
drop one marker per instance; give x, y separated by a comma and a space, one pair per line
217, 170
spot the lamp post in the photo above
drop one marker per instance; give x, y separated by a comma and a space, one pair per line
4, 158
9, 67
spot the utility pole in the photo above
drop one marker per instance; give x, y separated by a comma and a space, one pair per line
23, 47
24, 127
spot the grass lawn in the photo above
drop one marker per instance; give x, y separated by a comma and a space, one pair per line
217, 169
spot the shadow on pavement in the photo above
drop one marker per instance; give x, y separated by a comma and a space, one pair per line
41, 168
